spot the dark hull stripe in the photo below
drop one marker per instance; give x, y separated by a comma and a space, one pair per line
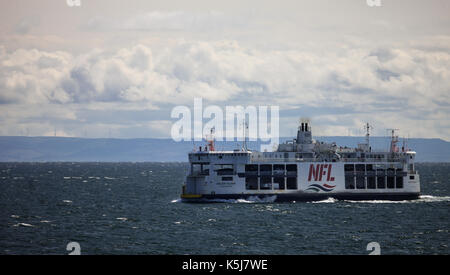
310, 197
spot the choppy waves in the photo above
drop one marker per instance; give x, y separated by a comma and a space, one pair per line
271, 199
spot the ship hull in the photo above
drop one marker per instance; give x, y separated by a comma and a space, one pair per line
303, 197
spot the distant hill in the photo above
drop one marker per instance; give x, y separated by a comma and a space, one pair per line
39, 149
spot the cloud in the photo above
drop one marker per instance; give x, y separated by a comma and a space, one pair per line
25, 25
387, 86
176, 20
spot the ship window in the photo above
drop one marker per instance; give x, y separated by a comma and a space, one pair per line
390, 182
381, 183
278, 169
265, 183
349, 182
360, 183
411, 177
251, 183
227, 178
291, 167
360, 167
399, 182
251, 168
278, 183
291, 170
291, 183
224, 169
349, 168
371, 182
265, 169
381, 172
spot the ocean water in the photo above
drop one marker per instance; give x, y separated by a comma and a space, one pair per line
133, 208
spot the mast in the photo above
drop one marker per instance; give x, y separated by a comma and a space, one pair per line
245, 135
210, 140
394, 140
368, 127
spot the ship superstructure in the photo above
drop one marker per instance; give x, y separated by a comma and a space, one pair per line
303, 169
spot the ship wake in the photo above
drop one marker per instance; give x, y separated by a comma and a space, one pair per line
422, 198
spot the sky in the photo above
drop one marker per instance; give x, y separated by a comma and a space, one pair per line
111, 68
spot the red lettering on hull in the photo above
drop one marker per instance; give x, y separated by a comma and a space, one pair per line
318, 172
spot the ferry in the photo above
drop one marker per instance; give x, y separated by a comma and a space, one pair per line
303, 169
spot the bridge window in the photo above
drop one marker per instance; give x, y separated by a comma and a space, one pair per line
224, 169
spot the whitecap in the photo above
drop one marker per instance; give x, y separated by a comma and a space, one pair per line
67, 201
329, 200
24, 224
122, 219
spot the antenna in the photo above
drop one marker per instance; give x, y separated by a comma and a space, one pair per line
368, 127
245, 134
406, 145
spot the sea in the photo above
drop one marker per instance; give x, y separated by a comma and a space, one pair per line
134, 208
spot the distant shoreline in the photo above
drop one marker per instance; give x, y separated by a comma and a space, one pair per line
74, 149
